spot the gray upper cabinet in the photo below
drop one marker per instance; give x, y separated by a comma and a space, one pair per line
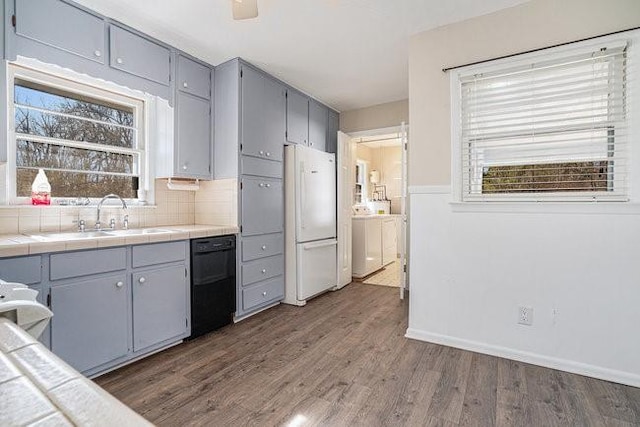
139, 56
334, 127
90, 326
193, 77
262, 115
193, 137
159, 306
297, 118
63, 26
318, 125
262, 205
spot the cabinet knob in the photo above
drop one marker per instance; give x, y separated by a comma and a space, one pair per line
268, 154
119, 284
185, 84
261, 185
264, 247
267, 185
119, 60
142, 280
261, 152
184, 167
97, 53
264, 271
264, 294
311, 144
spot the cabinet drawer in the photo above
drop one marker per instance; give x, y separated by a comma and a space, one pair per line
84, 263
63, 26
194, 78
261, 269
261, 167
262, 205
262, 293
159, 253
27, 270
262, 246
139, 56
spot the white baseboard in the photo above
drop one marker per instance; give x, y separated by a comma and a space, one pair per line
527, 357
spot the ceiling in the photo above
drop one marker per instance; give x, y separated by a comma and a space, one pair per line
347, 53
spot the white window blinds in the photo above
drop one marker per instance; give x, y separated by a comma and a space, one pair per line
553, 129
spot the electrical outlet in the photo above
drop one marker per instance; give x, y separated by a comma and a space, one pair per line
525, 315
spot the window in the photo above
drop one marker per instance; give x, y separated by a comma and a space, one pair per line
88, 141
549, 128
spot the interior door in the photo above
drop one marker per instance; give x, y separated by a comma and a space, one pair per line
404, 262
315, 195
346, 167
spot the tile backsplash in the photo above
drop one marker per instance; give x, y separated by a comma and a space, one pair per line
214, 204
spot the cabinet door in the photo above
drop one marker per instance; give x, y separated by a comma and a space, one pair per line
193, 136
139, 56
373, 230
262, 205
297, 118
61, 25
318, 125
90, 323
263, 116
389, 241
193, 77
159, 306
334, 127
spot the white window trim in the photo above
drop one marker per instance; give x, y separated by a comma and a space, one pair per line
66, 80
633, 120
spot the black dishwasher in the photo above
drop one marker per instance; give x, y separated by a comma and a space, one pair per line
213, 283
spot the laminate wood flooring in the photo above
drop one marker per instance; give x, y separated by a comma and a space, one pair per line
342, 360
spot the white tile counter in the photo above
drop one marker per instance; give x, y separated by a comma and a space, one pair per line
19, 244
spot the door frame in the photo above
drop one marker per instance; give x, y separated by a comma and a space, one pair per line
402, 130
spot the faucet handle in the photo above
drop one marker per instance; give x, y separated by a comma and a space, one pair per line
112, 223
125, 222
81, 224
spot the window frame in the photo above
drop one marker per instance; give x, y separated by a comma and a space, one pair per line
81, 87
632, 40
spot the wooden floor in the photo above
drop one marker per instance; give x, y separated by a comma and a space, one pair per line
343, 360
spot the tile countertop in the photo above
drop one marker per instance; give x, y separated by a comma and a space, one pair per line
19, 244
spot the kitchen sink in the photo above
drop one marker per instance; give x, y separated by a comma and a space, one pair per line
57, 237
137, 231
52, 237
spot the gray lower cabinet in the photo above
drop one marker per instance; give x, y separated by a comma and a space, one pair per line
90, 326
297, 118
160, 303
62, 26
110, 305
26, 270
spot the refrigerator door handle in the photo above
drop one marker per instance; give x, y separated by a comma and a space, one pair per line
309, 246
303, 199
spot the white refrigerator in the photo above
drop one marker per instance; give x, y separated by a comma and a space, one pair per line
310, 223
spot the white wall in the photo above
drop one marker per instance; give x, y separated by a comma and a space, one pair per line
470, 270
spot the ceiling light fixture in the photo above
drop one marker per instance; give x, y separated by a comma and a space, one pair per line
244, 9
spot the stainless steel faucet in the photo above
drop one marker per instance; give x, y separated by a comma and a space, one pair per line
108, 196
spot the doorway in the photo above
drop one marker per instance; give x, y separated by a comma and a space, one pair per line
376, 197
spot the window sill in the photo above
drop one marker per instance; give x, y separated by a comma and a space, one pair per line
582, 208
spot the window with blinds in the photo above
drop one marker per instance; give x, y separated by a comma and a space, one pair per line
548, 130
